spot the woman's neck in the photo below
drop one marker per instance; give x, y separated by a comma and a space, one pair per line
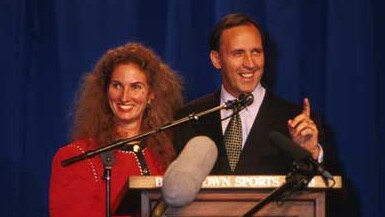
127, 130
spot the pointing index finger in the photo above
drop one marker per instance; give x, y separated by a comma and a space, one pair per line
306, 107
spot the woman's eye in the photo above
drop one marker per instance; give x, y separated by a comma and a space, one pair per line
115, 85
136, 87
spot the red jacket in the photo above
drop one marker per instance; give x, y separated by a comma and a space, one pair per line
78, 190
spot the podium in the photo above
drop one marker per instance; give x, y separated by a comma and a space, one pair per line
235, 195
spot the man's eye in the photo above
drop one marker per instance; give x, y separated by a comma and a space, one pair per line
238, 53
257, 51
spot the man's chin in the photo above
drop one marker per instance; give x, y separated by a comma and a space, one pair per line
235, 91
247, 90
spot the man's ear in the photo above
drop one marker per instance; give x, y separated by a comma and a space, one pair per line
215, 60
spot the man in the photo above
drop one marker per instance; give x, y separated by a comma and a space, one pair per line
237, 52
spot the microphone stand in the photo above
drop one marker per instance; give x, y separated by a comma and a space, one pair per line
108, 160
296, 180
107, 177
120, 143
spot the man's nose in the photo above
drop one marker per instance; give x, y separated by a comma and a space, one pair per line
249, 61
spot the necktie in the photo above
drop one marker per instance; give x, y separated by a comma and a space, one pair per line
233, 140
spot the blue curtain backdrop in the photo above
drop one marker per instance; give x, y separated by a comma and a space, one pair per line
332, 51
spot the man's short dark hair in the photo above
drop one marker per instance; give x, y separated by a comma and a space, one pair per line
230, 21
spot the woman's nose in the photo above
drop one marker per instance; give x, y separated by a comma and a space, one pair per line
126, 95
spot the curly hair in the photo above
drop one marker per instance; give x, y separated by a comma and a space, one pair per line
93, 117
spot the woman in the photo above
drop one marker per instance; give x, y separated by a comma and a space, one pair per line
130, 91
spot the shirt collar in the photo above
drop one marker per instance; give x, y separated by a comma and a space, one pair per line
258, 93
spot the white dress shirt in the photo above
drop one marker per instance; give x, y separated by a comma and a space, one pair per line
248, 114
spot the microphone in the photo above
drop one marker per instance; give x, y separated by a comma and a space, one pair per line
244, 100
184, 177
108, 158
297, 153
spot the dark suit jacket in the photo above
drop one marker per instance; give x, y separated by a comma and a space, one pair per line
258, 155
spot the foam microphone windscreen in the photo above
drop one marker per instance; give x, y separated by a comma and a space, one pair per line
284, 144
184, 177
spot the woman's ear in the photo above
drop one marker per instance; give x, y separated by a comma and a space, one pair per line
151, 97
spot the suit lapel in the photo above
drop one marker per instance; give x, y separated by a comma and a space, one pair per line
254, 147
260, 123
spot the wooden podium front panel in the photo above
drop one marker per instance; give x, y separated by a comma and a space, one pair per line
238, 202
236, 195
